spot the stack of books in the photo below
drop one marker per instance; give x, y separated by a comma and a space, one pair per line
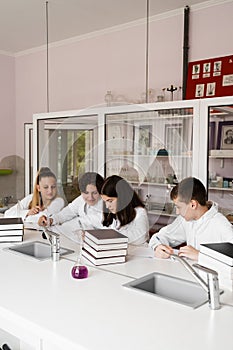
219, 257
105, 246
11, 230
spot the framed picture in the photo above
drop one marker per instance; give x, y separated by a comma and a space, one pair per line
196, 69
225, 135
212, 135
145, 135
206, 67
210, 89
200, 88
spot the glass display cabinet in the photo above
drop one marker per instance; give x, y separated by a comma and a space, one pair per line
66, 142
219, 160
151, 145
152, 149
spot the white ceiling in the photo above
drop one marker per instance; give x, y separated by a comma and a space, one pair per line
23, 22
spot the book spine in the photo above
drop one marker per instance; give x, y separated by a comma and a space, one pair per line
105, 246
11, 227
103, 261
105, 253
11, 233
4, 239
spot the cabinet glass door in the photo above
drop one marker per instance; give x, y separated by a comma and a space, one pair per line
152, 149
66, 146
220, 160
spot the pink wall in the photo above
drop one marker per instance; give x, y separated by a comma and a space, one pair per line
7, 106
166, 52
82, 72
211, 32
30, 87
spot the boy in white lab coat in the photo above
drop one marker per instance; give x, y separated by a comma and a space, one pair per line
198, 222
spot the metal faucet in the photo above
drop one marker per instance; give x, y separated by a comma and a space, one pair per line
54, 240
212, 285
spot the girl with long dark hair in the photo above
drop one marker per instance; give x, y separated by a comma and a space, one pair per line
123, 210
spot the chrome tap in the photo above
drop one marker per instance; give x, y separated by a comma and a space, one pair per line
54, 240
212, 285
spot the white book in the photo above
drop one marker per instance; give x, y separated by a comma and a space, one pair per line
11, 238
11, 224
103, 261
11, 233
223, 269
104, 253
105, 246
222, 251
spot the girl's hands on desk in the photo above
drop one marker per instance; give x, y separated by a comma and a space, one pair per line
33, 211
163, 251
189, 252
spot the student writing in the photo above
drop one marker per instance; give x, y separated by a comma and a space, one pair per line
124, 210
198, 222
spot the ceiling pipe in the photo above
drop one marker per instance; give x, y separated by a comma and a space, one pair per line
147, 49
185, 50
47, 53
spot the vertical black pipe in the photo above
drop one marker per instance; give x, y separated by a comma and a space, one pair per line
185, 50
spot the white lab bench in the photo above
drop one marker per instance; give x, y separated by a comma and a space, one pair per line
46, 309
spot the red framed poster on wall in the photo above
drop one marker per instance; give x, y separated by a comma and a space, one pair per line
211, 77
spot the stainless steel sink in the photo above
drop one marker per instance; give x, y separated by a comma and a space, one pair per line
37, 250
171, 288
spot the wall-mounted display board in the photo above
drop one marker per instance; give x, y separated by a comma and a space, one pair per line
212, 77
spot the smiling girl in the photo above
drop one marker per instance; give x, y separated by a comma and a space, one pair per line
43, 201
85, 211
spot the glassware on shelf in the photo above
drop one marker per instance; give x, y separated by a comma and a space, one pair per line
108, 98
79, 271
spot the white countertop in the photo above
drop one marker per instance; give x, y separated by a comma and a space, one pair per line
42, 304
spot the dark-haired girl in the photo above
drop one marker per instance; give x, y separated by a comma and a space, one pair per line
124, 211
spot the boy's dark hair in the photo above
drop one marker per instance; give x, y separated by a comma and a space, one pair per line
90, 178
127, 200
188, 189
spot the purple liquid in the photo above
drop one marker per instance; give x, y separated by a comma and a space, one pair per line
79, 272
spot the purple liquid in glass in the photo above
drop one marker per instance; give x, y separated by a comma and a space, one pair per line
79, 272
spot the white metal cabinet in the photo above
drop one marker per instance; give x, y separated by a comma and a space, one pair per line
132, 135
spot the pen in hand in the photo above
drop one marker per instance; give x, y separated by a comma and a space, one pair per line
162, 250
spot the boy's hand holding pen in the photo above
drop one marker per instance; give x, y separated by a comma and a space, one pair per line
162, 250
45, 221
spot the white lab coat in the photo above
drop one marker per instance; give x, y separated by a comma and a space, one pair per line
212, 227
82, 215
137, 230
21, 209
